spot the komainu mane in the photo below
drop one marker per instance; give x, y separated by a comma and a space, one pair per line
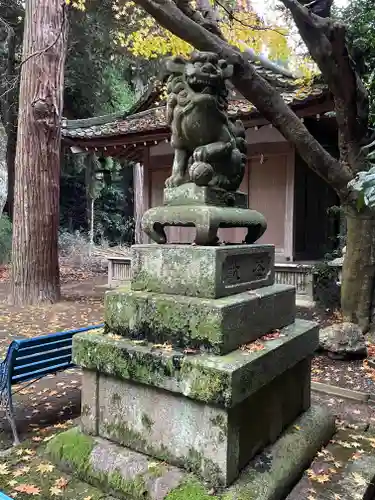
210, 150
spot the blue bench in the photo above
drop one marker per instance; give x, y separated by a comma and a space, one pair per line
31, 359
4, 497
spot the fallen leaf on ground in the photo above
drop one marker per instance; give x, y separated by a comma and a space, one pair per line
21, 471
55, 491
4, 471
48, 438
358, 479
61, 483
164, 347
29, 489
44, 468
275, 334
190, 351
319, 477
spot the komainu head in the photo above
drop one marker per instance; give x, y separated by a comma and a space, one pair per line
204, 72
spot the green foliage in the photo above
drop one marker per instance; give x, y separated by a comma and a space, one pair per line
111, 223
97, 75
5, 238
364, 182
359, 17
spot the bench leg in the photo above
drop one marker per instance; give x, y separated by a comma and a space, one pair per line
10, 416
7, 406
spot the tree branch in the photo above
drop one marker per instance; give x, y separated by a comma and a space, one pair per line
326, 41
204, 16
252, 86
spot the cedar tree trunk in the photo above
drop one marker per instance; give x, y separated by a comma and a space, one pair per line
35, 266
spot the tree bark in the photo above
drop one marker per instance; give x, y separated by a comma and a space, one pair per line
35, 265
3, 169
358, 278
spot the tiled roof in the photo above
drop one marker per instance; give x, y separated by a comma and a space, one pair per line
146, 120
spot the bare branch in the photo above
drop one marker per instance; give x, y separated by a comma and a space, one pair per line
252, 86
203, 17
264, 61
326, 41
233, 17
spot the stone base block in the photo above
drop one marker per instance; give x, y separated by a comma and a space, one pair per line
217, 325
236, 404
132, 476
224, 381
196, 271
213, 442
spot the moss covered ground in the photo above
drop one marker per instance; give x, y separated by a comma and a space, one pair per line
25, 473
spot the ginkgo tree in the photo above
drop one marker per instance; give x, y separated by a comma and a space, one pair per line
240, 25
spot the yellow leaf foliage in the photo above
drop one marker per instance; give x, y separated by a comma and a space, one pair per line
77, 4
149, 40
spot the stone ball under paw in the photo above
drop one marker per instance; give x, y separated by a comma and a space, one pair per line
201, 173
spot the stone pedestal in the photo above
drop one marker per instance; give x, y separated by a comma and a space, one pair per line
204, 413
177, 375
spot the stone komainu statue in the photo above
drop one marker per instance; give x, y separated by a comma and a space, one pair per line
210, 150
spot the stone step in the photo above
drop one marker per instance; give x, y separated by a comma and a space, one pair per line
217, 325
344, 470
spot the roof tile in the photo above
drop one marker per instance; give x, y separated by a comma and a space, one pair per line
154, 118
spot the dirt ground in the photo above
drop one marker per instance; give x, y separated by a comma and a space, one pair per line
50, 405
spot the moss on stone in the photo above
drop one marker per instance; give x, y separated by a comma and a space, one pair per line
159, 318
135, 488
72, 447
147, 422
72, 450
173, 371
191, 489
210, 386
196, 462
116, 398
122, 434
101, 353
221, 422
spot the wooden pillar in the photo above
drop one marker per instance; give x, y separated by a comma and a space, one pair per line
289, 207
141, 195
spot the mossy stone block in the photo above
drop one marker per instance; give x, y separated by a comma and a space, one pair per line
130, 475
221, 380
217, 325
202, 271
191, 194
125, 473
213, 442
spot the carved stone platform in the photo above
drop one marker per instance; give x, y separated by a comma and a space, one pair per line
206, 209
202, 271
